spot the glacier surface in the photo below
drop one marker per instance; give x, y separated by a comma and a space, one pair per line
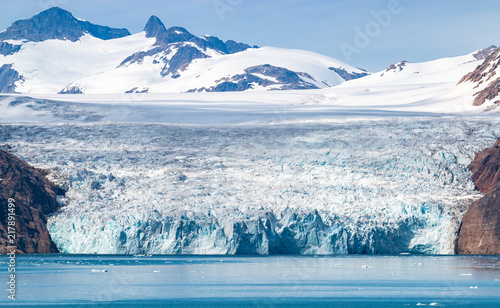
385, 186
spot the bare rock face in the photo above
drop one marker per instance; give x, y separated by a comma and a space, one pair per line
485, 74
479, 232
484, 53
485, 168
35, 197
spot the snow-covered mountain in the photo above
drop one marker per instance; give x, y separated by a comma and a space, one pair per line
54, 52
417, 87
483, 84
439, 70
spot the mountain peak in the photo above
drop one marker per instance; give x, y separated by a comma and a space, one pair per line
154, 27
56, 23
486, 80
482, 54
54, 11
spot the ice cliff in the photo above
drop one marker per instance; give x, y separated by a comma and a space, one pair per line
380, 186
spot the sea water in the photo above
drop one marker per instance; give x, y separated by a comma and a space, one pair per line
253, 281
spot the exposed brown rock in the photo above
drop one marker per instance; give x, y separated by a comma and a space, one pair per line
484, 69
488, 93
479, 232
35, 197
485, 74
484, 53
396, 67
485, 168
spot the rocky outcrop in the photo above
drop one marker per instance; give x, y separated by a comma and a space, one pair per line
485, 168
485, 76
35, 198
177, 48
56, 23
8, 78
479, 232
280, 77
482, 54
8, 49
72, 89
345, 74
234, 47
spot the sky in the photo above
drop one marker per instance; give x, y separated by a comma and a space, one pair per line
370, 34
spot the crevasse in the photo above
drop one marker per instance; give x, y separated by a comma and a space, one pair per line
357, 186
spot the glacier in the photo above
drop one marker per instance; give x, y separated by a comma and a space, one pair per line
378, 186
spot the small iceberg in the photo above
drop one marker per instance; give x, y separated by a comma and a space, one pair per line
99, 271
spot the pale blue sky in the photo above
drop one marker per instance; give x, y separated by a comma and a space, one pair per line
418, 30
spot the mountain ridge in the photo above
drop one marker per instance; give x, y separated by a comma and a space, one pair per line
54, 52
56, 23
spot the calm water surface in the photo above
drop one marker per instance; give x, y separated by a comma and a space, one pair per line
238, 281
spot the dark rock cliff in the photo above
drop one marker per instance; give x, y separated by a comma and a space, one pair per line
35, 198
479, 232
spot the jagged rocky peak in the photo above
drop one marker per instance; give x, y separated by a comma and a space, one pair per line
486, 78
164, 36
154, 27
56, 23
482, 54
173, 35
484, 70
234, 47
